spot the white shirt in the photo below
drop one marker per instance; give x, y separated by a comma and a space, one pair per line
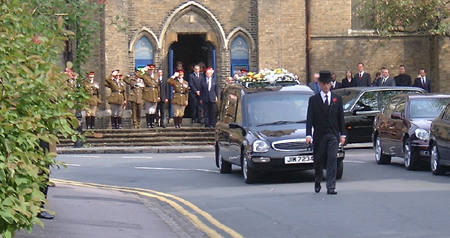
361, 74
424, 79
209, 84
333, 83
322, 94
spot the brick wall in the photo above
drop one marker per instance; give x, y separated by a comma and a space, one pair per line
444, 67
281, 35
331, 17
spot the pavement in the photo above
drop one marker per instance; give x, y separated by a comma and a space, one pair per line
91, 212
161, 149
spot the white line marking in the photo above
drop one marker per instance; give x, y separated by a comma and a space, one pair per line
88, 156
72, 165
190, 157
178, 169
137, 157
355, 162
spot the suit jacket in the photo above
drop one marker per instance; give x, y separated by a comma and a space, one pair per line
337, 86
315, 87
164, 89
347, 84
325, 119
403, 80
364, 81
195, 83
389, 82
426, 87
206, 95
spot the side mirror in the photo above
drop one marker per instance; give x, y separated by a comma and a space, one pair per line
397, 115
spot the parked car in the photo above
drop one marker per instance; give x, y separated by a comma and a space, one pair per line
403, 128
361, 106
264, 130
440, 142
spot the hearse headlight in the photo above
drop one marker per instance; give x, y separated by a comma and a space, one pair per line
260, 146
422, 134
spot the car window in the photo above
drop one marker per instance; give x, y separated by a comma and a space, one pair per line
400, 107
368, 101
348, 97
427, 107
386, 96
229, 108
446, 116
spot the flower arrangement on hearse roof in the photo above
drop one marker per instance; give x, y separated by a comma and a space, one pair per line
267, 77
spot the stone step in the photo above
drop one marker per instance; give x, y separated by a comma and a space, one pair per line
138, 144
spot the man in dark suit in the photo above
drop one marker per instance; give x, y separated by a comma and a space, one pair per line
335, 84
326, 116
195, 80
402, 79
385, 80
362, 79
314, 85
209, 94
422, 81
164, 103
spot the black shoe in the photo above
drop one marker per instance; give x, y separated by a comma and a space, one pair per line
331, 192
45, 215
317, 187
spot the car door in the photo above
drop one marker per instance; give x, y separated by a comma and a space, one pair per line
444, 136
237, 131
360, 124
222, 127
398, 127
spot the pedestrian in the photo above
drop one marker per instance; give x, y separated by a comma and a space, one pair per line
326, 116
348, 81
403, 79
377, 80
210, 93
314, 85
92, 88
335, 84
164, 96
150, 95
117, 99
422, 81
45, 146
134, 96
195, 81
362, 79
385, 80
180, 97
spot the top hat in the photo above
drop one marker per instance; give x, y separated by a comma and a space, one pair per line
325, 76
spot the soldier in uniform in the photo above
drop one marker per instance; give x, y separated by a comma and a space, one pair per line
117, 98
136, 84
164, 95
180, 97
92, 88
150, 95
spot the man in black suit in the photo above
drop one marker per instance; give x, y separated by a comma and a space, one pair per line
326, 115
403, 79
209, 94
335, 84
385, 80
362, 79
195, 81
422, 81
163, 105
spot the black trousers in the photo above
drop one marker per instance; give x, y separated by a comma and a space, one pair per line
196, 107
161, 112
211, 114
325, 152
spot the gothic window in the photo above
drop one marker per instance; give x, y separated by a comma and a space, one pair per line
239, 55
143, 52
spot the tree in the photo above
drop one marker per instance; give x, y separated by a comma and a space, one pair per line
388, 17
36, 102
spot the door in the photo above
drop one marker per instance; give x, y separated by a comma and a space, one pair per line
364, 113
444, 136
171, 72
227, 135
398, 128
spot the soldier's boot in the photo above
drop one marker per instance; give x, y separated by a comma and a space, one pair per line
88, 122
147, 120
152, 120
92, 122
119, 122
180, 122
113, 122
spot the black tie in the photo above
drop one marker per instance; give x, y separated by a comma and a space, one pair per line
326, 99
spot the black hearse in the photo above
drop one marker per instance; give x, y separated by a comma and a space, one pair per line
263, 129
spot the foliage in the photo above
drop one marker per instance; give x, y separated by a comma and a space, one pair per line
409, 16
36, 103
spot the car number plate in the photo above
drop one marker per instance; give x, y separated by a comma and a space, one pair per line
302, 159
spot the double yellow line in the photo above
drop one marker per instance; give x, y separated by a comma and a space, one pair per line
173, 201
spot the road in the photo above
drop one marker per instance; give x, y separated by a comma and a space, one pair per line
373, 200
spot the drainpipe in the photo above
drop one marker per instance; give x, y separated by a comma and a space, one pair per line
308, 40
